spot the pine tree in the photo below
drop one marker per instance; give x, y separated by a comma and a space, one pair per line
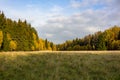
18, 31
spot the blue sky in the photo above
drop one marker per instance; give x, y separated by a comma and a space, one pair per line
60, 20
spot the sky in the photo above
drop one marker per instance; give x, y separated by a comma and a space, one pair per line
61, 20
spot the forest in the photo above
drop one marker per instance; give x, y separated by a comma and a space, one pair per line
21, 36
106, 40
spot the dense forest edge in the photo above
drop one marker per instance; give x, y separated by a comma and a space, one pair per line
106, 40
21, 36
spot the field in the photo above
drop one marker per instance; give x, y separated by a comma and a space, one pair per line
84, 65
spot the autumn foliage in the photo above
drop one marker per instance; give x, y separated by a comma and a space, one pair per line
106, 40
20, 36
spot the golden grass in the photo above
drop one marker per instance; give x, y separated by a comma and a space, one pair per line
56, 52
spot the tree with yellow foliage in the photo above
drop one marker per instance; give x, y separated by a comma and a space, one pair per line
54, 48
13, 45
8, 37
1, 38
35, 41
41, 44
49, 47
32, 48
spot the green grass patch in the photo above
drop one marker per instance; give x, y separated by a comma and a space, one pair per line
59, 66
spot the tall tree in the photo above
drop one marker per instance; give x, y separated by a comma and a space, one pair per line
101, 45
18, 31
1, 38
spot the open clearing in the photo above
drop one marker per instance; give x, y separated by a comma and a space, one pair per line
60, 65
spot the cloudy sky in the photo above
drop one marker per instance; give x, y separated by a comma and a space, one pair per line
60, 20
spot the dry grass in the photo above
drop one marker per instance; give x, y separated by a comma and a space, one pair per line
60, 65
61, 52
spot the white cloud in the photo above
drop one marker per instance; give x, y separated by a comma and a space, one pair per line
92, 29
82, 23
49, 35
55, 25
75, 4
56, 8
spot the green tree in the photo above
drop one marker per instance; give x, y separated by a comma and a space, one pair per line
18, 31
46, 44
2, 20
101, 43
116, 45
76, 47
119, 35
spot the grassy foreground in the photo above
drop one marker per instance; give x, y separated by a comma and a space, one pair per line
52, 66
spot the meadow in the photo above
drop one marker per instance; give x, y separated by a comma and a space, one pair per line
84, 65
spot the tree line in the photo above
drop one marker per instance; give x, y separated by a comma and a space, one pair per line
20, 36
106, 40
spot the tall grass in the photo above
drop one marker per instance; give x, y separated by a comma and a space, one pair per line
59, 66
